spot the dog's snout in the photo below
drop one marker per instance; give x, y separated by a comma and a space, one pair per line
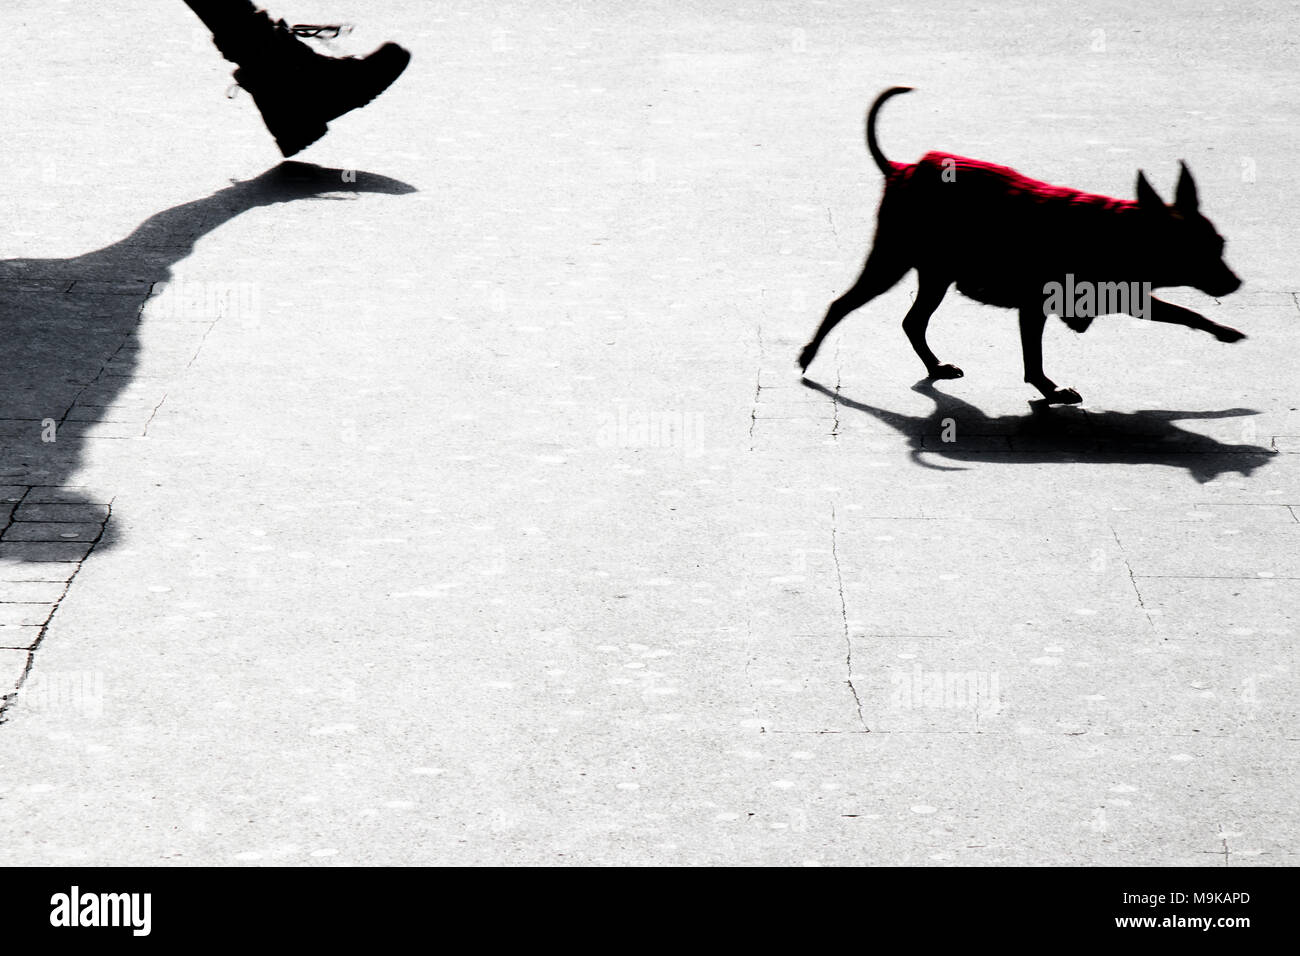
1221, 281
1230, 284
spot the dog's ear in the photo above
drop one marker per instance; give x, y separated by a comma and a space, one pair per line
1185, 199
1148, 198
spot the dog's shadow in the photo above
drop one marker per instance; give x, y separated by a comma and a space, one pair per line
70, 333
958, 431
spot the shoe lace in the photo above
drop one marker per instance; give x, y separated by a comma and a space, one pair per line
331, 31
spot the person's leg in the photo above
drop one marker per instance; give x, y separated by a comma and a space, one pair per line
297, 90
218, 14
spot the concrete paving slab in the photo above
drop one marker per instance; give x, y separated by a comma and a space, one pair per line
18, 613
43, 551
19, 637
1210, 550
27, 592
1218, 605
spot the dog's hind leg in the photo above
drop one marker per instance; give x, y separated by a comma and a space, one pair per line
879, 275
1160, 311
1032, 321
929, 293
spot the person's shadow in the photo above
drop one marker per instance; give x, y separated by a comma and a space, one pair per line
958, 431
69, 342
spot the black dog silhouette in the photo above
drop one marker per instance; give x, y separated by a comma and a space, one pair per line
1006, 240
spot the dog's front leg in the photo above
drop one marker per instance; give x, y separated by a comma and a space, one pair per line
1158, 310
1032, 322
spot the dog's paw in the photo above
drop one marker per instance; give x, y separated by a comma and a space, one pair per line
1225, 334
946, 371
1064, 396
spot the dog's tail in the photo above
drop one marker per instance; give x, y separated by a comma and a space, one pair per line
873, 147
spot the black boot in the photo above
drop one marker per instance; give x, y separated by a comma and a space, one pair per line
297, 89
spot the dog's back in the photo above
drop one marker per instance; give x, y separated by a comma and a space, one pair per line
996, 231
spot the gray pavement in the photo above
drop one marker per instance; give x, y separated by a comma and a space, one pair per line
470, 510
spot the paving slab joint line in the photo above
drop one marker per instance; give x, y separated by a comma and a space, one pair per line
14, 511
99, 376
1015, 734
1219, 577
1225, 852
7, 700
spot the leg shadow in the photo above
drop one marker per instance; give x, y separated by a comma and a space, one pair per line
70, 329
1062, 434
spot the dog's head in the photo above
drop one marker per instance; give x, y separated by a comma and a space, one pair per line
1186, 245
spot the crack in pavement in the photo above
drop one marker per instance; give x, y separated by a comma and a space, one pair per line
835, 403
145, 432
203, 340
749, 679
844, 618
1132, 578
758, 387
